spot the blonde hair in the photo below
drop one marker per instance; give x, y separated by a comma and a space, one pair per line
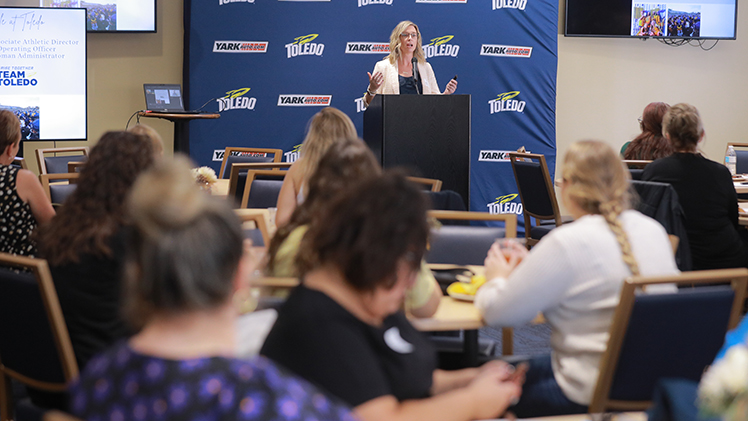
597, 181
152, 134
395, 42
185, 249
325, 128
10, 129
682, 124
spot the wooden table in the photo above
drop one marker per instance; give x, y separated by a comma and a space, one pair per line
741, 187
220, 188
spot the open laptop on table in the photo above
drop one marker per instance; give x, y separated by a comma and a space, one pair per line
165, 98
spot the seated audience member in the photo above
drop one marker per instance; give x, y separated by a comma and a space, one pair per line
650, 144
346, 163
326, 127
705, 191
152, 134
574, 276
185, 260
23, 204
343, 330
84, 243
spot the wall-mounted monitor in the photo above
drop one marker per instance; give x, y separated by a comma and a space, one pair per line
43, 71
683, 19
104, 15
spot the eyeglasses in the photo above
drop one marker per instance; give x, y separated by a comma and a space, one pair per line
406, 36
639, 120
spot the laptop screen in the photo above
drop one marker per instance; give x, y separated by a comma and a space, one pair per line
163, 97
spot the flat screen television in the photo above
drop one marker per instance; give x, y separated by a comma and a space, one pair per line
104, 15
43, 71
683, 19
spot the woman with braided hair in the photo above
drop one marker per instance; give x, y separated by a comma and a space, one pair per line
574, 276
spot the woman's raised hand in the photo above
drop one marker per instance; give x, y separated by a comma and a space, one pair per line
375, 81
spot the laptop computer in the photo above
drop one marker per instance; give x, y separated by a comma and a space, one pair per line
165, 98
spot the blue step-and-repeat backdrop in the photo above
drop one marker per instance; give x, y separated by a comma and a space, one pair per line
271, 65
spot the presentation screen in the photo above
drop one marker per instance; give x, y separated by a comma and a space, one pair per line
43, 71
686, 19
104, 15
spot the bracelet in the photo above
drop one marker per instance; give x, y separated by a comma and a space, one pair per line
370, 92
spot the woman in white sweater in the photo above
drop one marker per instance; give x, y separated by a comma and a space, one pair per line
574, 276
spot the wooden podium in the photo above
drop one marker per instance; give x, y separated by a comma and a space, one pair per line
181, 135
428, 134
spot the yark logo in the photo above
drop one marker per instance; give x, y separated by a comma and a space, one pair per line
293, 154
360, 104
219, 153
505, 51
17, 78
303, 46
438, 47
509, 4
504, 204
367, 48
240, 46
304, 100
222, 2
505, 102
235, 100
362, 3
494, 156
441, 1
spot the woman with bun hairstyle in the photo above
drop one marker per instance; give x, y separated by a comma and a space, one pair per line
705, 191
574, 276
186, 260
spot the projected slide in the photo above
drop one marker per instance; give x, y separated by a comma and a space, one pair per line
43, 71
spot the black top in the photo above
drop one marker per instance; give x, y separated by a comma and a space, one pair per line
89, 293
322, 342
707, 195
408, 86
16, 220
122, 384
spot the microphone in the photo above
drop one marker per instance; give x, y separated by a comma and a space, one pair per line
416, 76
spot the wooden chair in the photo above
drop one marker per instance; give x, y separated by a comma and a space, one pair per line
234, 155
261, 225
20, 163
537, 193
59, 164
432, 184
636, 167
75, 166
654, 336
58, 192
464, 245
35, 348
243, 175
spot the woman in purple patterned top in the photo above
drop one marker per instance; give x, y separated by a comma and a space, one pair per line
186, 259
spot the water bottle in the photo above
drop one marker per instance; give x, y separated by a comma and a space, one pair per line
731, 160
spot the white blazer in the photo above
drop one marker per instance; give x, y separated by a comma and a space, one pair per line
391, 83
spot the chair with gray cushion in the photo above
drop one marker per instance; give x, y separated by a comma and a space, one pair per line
236, 155
666, 335
537, 193
244, 177
59, 186
55, 160
35, 347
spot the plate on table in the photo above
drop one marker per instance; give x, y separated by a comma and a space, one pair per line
739, 177
465, 291
452, 292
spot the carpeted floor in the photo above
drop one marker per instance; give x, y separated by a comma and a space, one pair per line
528, 339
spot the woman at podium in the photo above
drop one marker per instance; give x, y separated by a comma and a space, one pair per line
395, 73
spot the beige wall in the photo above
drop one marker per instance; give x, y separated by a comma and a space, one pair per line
118, 65
605, 83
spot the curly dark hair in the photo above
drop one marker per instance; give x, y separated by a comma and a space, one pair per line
96, 209
367, 231
347, 162
651, 144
